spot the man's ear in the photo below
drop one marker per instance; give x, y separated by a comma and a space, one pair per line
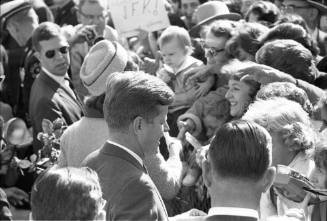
268, 178
138, 124
207, 173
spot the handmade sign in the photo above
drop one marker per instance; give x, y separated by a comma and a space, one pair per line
130, 15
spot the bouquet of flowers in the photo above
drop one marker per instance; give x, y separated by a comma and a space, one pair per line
17, 137
50, 137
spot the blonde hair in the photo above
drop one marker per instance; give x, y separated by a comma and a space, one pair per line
175, 32
284, 116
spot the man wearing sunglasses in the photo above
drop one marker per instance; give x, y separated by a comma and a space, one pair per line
51, 96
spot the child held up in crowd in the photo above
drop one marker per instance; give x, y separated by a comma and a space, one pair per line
176, 49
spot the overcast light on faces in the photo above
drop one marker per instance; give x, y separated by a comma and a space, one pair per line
238, 95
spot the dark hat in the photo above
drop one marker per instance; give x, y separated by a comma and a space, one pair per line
209, 12
315, 4
321, 7
11, 8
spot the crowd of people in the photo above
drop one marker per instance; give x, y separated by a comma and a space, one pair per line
198, 121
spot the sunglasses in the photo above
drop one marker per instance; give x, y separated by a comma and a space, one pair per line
51, 53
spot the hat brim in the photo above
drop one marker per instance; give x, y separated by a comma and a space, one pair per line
319, 6
195, 30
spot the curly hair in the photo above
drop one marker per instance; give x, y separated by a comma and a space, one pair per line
288, 56
246, 37
267, 12
286, 117
239, 71
291, 31
287, 90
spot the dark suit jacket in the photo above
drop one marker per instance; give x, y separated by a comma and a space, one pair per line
229, 218
50, 100
128, 189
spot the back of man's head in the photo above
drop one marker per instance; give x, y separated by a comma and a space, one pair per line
67, 194
290, 57
240, 150
133, 94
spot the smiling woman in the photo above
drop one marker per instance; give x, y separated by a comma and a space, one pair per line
242, 89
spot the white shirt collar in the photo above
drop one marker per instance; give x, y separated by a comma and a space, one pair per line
233, 211
59, 79
128, 151
189, 60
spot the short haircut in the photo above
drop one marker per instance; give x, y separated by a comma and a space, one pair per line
268, 13
246, 37
175, 32
294, 19
45, 31
66, 194
290, 57
241, 149
285, 116
239, 71
287, 90
294, 32
131, 94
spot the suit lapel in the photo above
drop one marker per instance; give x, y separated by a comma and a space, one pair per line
54, 85
113, 150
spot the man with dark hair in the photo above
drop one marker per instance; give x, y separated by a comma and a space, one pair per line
67, 194
292, 58
135, 109
238, 170
51, 96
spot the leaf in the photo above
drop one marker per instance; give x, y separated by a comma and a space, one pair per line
24, 164
47, 126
